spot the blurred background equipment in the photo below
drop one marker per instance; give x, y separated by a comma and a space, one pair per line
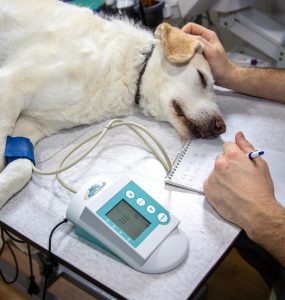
241, 18
251, 36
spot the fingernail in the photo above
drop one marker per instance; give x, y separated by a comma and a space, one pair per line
242, 135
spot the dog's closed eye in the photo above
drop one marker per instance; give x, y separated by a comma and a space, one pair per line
178, 109
202, 79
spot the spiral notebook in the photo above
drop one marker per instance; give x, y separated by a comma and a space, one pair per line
196, 159
193, 164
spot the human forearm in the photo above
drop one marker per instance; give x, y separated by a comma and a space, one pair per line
268, 230
259, 82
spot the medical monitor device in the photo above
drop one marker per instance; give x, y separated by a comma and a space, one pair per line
125, 219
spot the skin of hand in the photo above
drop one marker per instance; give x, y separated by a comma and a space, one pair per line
239, 188
241, 191
213, 50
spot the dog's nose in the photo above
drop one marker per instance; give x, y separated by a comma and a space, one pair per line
219, 126
214, 127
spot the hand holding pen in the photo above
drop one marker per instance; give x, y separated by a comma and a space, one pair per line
238, 188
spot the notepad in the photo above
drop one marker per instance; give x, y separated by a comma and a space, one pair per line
196, 159
194, 163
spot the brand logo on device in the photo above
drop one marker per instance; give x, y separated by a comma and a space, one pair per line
95, 188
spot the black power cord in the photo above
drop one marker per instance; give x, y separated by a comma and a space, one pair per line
14, 258
33, 288
48, 263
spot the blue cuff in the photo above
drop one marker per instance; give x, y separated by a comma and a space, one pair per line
19, 147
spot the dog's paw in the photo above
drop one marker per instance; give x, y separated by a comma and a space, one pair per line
13, 178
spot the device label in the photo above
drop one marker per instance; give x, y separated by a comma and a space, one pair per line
95, 188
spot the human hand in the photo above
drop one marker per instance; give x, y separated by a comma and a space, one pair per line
213, 51
240, 189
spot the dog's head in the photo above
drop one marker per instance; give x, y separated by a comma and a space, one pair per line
178, 86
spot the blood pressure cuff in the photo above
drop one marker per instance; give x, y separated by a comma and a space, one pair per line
19, 147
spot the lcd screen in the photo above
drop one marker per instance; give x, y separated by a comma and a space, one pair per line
128, 219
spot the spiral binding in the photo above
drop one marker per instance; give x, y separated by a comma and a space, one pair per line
178, 160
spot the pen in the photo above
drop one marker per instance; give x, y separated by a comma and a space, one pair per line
255, 154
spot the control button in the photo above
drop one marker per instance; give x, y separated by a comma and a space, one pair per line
140, 202
130, 194
150, 209
162, 217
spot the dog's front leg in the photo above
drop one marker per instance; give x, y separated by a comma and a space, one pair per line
18, 173
13, 178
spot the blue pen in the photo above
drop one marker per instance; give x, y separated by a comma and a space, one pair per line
255, 154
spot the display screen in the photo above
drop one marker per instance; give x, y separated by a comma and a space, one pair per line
128, 219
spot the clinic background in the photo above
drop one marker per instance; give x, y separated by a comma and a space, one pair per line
254, 34
233, 264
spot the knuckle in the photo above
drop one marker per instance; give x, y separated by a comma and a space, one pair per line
220, 163
212, 33
232, 153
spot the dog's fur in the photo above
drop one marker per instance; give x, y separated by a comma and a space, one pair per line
62, 66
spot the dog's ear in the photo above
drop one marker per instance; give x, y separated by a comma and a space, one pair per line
178, 46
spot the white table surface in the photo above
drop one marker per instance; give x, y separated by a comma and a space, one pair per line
42, 203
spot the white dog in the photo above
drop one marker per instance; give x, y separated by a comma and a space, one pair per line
62, 66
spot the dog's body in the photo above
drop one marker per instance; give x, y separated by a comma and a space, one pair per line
62, 66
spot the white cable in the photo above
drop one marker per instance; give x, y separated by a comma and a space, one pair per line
136, 128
